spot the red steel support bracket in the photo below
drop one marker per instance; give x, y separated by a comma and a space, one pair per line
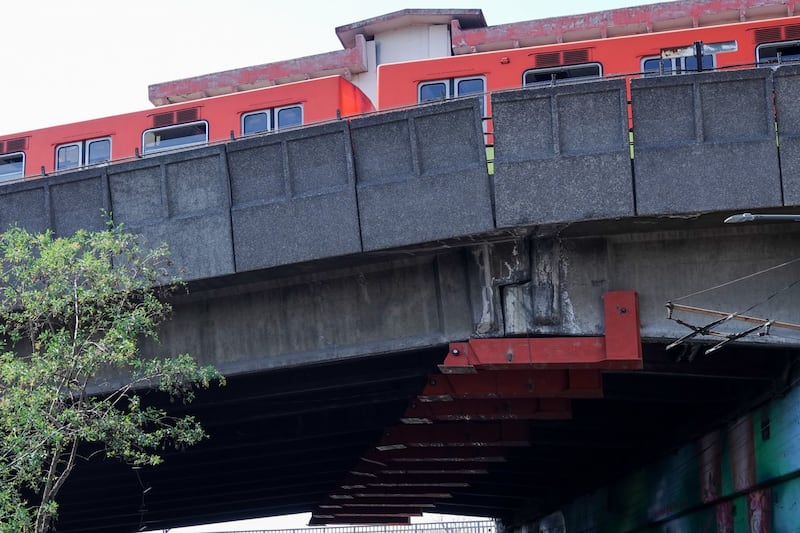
619, 348
503, 433
488, 409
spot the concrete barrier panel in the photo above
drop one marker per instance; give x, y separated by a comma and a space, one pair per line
561, 154
182, 199
79, 200
705, 142
25, 205
64, 203
293, 197
787, 94
421, 174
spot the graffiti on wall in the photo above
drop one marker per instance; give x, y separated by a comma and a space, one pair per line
742, 478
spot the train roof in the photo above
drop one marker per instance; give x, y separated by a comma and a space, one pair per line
467, 19
649, 18
469, 33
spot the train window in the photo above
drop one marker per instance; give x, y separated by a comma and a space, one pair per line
255, 122
778, 52
675, 65
98, 151
441, 89
68, 156
88, 152
272, 119
438, 90
170, 137
541, 76
12, 166
467, 86
289, 116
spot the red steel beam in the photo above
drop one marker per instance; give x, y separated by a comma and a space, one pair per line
489, 409
420, 503
505, 433
412, 456
440, 480
517, 383
471, 469
366, 510
401, 494
619, 348
372, 472
324, 520
378, 513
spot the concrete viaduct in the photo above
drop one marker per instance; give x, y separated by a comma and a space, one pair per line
405, 331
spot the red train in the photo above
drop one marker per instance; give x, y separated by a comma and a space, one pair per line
719, 42
669, 52
37, 152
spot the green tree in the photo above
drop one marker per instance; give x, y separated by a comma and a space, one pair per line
72, 314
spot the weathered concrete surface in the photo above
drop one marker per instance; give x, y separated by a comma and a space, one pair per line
25, 205
562, 154
293, 197
533, 285
558, 292
327, 316
80, 201
182, 199
421, 175
685, 267
787, 93
65, 204
705, 142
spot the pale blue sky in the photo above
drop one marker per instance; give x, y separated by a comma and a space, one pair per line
66, 61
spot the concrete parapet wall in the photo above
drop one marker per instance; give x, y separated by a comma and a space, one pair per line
562, 154
293, 197
284, 198
787, 94
75, 201
421, 175
705, 142
182, 199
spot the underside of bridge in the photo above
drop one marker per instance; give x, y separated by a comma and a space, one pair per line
380, 439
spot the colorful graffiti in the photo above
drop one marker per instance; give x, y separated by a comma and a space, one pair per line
744, 478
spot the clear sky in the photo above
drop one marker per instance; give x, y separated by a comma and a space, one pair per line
69, 60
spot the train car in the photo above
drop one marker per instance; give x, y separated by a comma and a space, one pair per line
99, 141
723, 46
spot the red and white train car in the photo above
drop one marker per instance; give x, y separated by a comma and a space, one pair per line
735, 45
99, 141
